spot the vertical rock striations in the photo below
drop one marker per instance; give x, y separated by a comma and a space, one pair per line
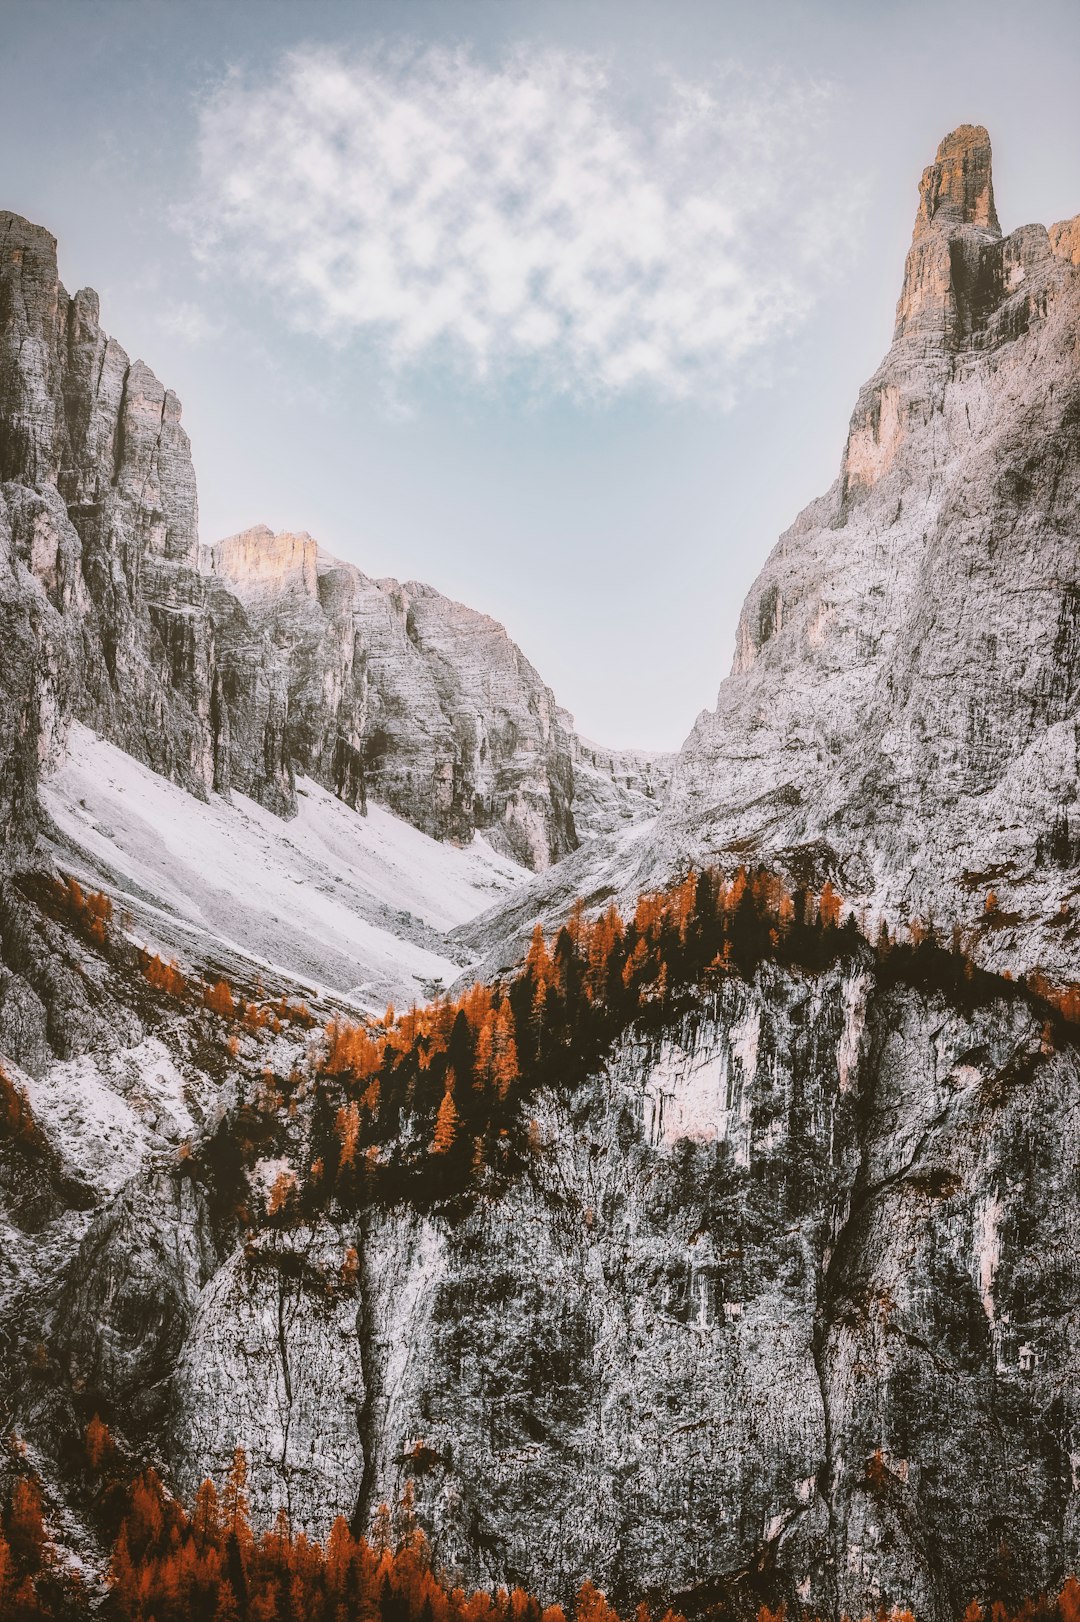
780, 1305
902, 708
239, 665
373, 687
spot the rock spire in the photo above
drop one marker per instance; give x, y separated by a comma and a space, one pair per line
958, 187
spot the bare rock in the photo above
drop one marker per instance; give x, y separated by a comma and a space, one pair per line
237, 665
902, 704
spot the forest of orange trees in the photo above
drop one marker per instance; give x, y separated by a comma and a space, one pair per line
421, 1104
208, 1565
417, 1105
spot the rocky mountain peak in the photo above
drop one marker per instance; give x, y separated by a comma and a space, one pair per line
238, 665
256, 561
958, 187
953, 277
904, 696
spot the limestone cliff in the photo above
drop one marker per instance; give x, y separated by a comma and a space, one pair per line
241, 664
616, 788
903, 705
778, 1305
780, 1300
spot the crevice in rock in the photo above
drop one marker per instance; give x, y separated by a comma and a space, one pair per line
826, 1477
119, 446
286, 1376
366, 1413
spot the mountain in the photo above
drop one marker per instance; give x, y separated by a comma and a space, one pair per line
904, 700
240, 669
238, 665
901, 715
725, 1253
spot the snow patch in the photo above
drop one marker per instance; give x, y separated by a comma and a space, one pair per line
358, 904
105, 1112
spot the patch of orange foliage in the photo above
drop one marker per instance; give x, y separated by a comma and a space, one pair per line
92, 910
163, 976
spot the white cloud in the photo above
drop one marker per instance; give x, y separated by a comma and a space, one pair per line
189, 323
524, 215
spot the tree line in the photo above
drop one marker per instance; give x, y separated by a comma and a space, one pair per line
170, 1563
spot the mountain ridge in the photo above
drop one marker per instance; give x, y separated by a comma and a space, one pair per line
900, 715
771, 1294
157, 643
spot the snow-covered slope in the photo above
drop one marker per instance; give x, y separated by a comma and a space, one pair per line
357, 905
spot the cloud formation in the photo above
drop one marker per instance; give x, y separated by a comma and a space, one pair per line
525, 215
189, 323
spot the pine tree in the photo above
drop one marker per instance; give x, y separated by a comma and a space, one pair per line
98, 1443
447, 1119
219, 999
504, 1067
829, 906
25, 1526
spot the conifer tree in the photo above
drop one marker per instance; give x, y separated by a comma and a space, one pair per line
446, 1121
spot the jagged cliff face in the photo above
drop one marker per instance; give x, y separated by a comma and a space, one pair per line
614, 789
902, 708
784, 1299
781, 1304
241, 666
389, 690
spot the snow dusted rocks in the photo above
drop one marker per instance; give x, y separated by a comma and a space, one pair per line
616, 788
233, 666
361, 906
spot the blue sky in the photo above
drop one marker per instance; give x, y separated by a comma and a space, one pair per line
560, 306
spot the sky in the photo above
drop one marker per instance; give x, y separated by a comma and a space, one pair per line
561, 306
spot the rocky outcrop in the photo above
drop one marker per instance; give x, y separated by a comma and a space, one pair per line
902, 709
238, 665
372, 687
780, 1306
616, 788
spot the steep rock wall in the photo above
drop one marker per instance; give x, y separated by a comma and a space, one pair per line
903, 702
387, 689
242, 664
781, 1306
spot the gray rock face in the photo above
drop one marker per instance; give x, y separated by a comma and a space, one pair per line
764, 1298
615, 788
785, 1296
904, 700
386, 689
241, 664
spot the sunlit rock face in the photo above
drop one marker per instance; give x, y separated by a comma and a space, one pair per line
240, 664
902, 709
